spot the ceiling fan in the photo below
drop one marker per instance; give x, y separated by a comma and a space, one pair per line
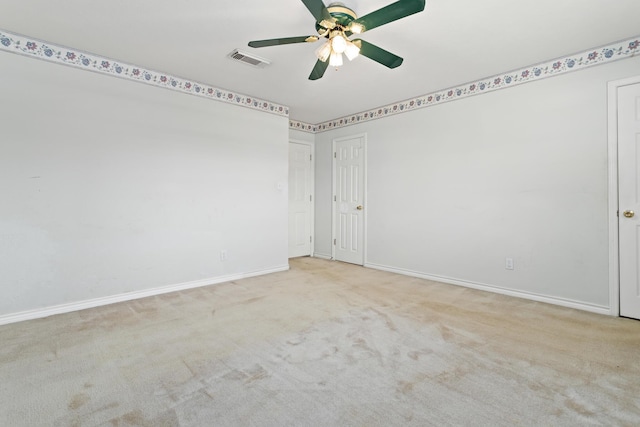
337, 23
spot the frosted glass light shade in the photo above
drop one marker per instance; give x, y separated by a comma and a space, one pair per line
324, 52
352, 51
356, 28
336, 59
338, 44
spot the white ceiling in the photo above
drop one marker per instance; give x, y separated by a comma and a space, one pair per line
452, 42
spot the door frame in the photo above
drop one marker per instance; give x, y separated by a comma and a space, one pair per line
334, 193
612, 142
313, 188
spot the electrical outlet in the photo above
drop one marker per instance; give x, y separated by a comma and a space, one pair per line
508, 263
223, 255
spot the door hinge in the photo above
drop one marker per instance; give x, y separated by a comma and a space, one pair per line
334, 242
310, 239
310, 198
335, 155
311, 157
335, 199
618, 213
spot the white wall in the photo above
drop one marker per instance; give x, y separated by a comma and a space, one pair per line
301, 136
522, 172
110, 186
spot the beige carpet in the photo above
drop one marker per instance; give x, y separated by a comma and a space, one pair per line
325, 344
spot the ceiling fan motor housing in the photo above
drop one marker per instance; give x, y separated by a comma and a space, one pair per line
343, 17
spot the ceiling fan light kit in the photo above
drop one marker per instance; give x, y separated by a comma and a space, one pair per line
337, 45
337, 23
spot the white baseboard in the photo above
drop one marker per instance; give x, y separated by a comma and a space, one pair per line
321, 256
98, 302
579, 305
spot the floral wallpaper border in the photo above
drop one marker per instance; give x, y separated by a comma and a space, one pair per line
14, 43
616, 51
72, 57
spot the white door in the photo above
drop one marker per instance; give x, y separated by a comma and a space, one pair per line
300, 199
349, 198
629, 198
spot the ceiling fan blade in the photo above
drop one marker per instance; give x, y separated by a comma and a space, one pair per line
320, 12
379, 55
318, 70
286, 40
393, 12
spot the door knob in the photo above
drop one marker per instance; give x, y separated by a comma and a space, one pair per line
628, 214
359, 207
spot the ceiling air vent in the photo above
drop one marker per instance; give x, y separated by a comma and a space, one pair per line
246, 58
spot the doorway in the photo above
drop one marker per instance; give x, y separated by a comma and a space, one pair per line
624, 197
349, 199
300, 199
